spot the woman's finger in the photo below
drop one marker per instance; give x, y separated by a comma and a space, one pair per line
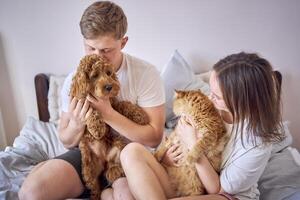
179, 124
190, 120
179, 157
172, 148
174, 154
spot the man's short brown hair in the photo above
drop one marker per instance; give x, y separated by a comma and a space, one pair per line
103, 18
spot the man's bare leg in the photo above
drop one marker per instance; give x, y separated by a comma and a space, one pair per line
53, 179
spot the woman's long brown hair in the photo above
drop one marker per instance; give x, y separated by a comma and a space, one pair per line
252, 94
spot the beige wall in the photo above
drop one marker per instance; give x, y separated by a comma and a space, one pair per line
43, 36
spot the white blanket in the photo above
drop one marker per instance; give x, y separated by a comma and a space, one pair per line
37, 142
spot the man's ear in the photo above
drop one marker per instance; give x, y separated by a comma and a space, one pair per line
124, 41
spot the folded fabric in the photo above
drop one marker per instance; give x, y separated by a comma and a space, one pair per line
281, 178
37, 142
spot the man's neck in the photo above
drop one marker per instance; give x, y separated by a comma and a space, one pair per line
119, 63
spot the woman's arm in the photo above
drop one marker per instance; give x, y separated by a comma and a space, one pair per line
208, 176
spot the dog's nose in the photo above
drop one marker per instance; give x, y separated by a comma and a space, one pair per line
108, 87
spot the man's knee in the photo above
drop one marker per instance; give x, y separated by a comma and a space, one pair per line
121, 189
30, 191
107, 194
130, 152
120, 183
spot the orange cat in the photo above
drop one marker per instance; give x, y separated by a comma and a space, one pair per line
209, 123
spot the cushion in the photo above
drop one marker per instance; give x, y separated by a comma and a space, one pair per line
178, 74
54, 98
203, 76
281, 177
286, 142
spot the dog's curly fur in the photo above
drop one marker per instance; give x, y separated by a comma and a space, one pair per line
209, 123
100, 148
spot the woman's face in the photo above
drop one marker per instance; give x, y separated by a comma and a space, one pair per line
215, 93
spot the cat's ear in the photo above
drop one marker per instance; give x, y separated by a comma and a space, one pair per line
179, 93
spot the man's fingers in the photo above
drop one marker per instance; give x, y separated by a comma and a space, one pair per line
91, 98
73, 104
78, 107
89, 112
85, 108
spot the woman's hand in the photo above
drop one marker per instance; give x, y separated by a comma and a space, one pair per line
102, 105
187, 131
172, 156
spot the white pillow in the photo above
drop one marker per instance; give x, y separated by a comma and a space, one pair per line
54, 103
177, 74
204, 76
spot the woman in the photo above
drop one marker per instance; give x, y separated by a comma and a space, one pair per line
245, 91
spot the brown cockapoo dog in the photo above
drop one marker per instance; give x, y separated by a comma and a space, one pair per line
209, 124
100, 148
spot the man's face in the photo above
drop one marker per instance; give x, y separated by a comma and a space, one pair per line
107, 47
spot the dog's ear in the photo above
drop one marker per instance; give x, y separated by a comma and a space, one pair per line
80, 85
114, 76
81, 81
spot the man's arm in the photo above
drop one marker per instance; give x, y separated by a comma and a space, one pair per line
149, 135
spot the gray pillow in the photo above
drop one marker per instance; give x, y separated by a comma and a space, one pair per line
177, 74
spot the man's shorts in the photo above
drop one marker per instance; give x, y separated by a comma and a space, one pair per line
73, 156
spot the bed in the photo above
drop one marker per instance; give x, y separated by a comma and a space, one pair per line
38, 140
41, 82
284, 186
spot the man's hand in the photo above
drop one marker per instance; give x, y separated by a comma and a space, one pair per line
79, 111
72, 123
102, 105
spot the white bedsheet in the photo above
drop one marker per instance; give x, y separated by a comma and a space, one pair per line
37, 142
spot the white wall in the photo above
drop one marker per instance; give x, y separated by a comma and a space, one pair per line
43, 36
3, 142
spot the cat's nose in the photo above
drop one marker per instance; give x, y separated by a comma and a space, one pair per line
108, 87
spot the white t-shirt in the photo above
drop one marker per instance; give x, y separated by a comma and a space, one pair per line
242, 166
140, 84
